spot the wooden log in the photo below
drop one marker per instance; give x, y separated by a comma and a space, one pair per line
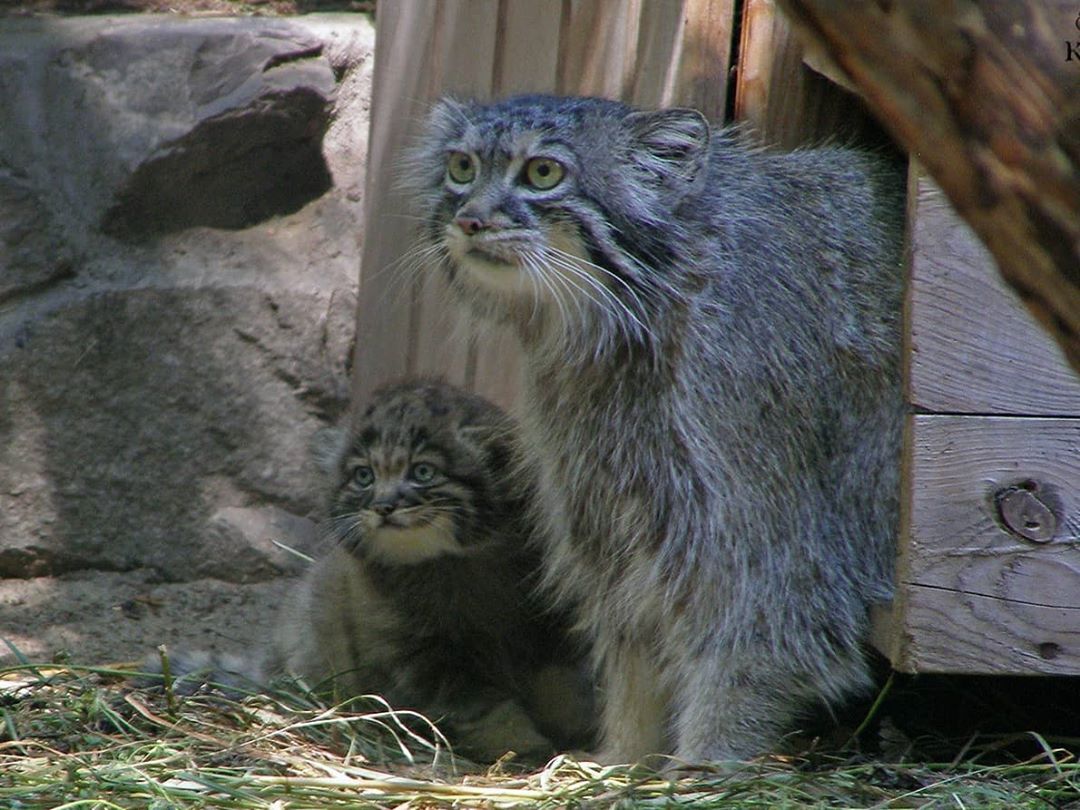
986, 95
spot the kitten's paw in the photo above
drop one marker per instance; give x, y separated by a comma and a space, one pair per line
564, 705
505, 727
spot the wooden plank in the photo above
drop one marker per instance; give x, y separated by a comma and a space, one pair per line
399, 96
974, 346
528, 47
526, 62
755, 63
683, 56
464, 65
785, 102
597, 43
658, 56
1022, 640
404, 327
705, 65
972, 594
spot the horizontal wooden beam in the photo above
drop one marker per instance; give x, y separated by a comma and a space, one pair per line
988, 578
973, 347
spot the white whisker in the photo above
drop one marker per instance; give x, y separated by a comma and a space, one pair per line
572, 264
578, 260
405, 270
547, 281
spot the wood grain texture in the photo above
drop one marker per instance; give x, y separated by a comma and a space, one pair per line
440, 342
986, 96
683, 59
973, 345
786, 102
973, 596
649, 53
384, 310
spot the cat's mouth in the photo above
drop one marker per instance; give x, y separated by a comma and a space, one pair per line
477, 252
498, 249
396, 520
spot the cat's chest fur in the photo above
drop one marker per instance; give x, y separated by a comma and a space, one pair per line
614, 507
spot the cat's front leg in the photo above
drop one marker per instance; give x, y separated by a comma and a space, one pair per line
726, 712
634, 713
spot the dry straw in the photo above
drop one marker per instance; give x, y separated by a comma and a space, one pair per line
84, 737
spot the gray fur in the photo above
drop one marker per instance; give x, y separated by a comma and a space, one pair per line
712, 397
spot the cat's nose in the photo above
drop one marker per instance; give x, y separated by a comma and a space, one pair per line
470, 226
383, 508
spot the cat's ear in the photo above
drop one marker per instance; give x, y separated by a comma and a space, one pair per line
328, 447
676, 141
447, 116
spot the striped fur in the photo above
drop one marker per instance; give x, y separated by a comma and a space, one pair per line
428, 596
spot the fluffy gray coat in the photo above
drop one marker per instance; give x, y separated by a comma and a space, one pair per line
711, 395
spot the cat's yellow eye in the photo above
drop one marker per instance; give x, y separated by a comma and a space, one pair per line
543, 173
460, 168
364, 476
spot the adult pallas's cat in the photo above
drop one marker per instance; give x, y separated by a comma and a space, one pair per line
711, 393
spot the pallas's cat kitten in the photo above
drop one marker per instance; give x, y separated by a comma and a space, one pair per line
428, 595
711, 391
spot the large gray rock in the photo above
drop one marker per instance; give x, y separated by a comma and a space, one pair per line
179, 219
147, 125
140, 414
30, 254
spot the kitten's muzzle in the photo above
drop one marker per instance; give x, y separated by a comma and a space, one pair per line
384, 508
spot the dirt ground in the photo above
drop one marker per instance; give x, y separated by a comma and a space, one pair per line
95, 617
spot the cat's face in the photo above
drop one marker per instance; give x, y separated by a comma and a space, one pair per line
417, 475
557, 211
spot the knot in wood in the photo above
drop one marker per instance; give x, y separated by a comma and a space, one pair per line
1025, 515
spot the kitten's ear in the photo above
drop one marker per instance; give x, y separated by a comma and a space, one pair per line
328, 447
676, 140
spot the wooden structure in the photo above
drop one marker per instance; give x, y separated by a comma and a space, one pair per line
988, 578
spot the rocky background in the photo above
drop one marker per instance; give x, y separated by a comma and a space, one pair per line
180, 208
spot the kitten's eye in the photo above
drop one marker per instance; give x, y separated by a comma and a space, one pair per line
422, 472
543, 173
364, 476
460, 168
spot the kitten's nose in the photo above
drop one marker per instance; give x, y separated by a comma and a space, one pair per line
470, 226
383, 508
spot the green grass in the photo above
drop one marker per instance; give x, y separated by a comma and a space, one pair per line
86, 738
